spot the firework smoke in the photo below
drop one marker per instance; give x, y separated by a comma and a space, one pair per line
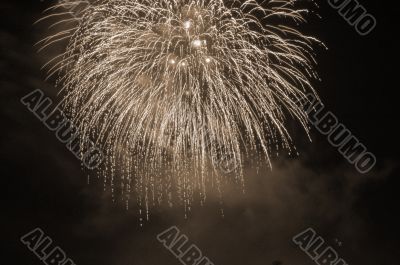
170, 87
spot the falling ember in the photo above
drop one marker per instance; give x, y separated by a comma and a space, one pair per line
171, 87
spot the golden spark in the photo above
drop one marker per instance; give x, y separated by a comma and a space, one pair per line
170, 87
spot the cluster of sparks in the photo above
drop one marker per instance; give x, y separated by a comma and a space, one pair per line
170, 87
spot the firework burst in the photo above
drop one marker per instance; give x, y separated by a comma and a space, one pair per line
171, 87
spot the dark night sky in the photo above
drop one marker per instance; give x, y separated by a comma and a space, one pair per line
44, 186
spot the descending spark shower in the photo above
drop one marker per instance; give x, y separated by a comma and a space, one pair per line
169, 88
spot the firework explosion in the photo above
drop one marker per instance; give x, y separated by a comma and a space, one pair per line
170, 88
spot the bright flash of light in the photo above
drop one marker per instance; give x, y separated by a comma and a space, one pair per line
187, 24
170, 87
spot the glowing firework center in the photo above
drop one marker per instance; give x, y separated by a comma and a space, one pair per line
187, 45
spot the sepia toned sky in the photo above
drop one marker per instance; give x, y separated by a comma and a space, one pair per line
44, 186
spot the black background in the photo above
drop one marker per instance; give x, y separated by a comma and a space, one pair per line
44, 186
